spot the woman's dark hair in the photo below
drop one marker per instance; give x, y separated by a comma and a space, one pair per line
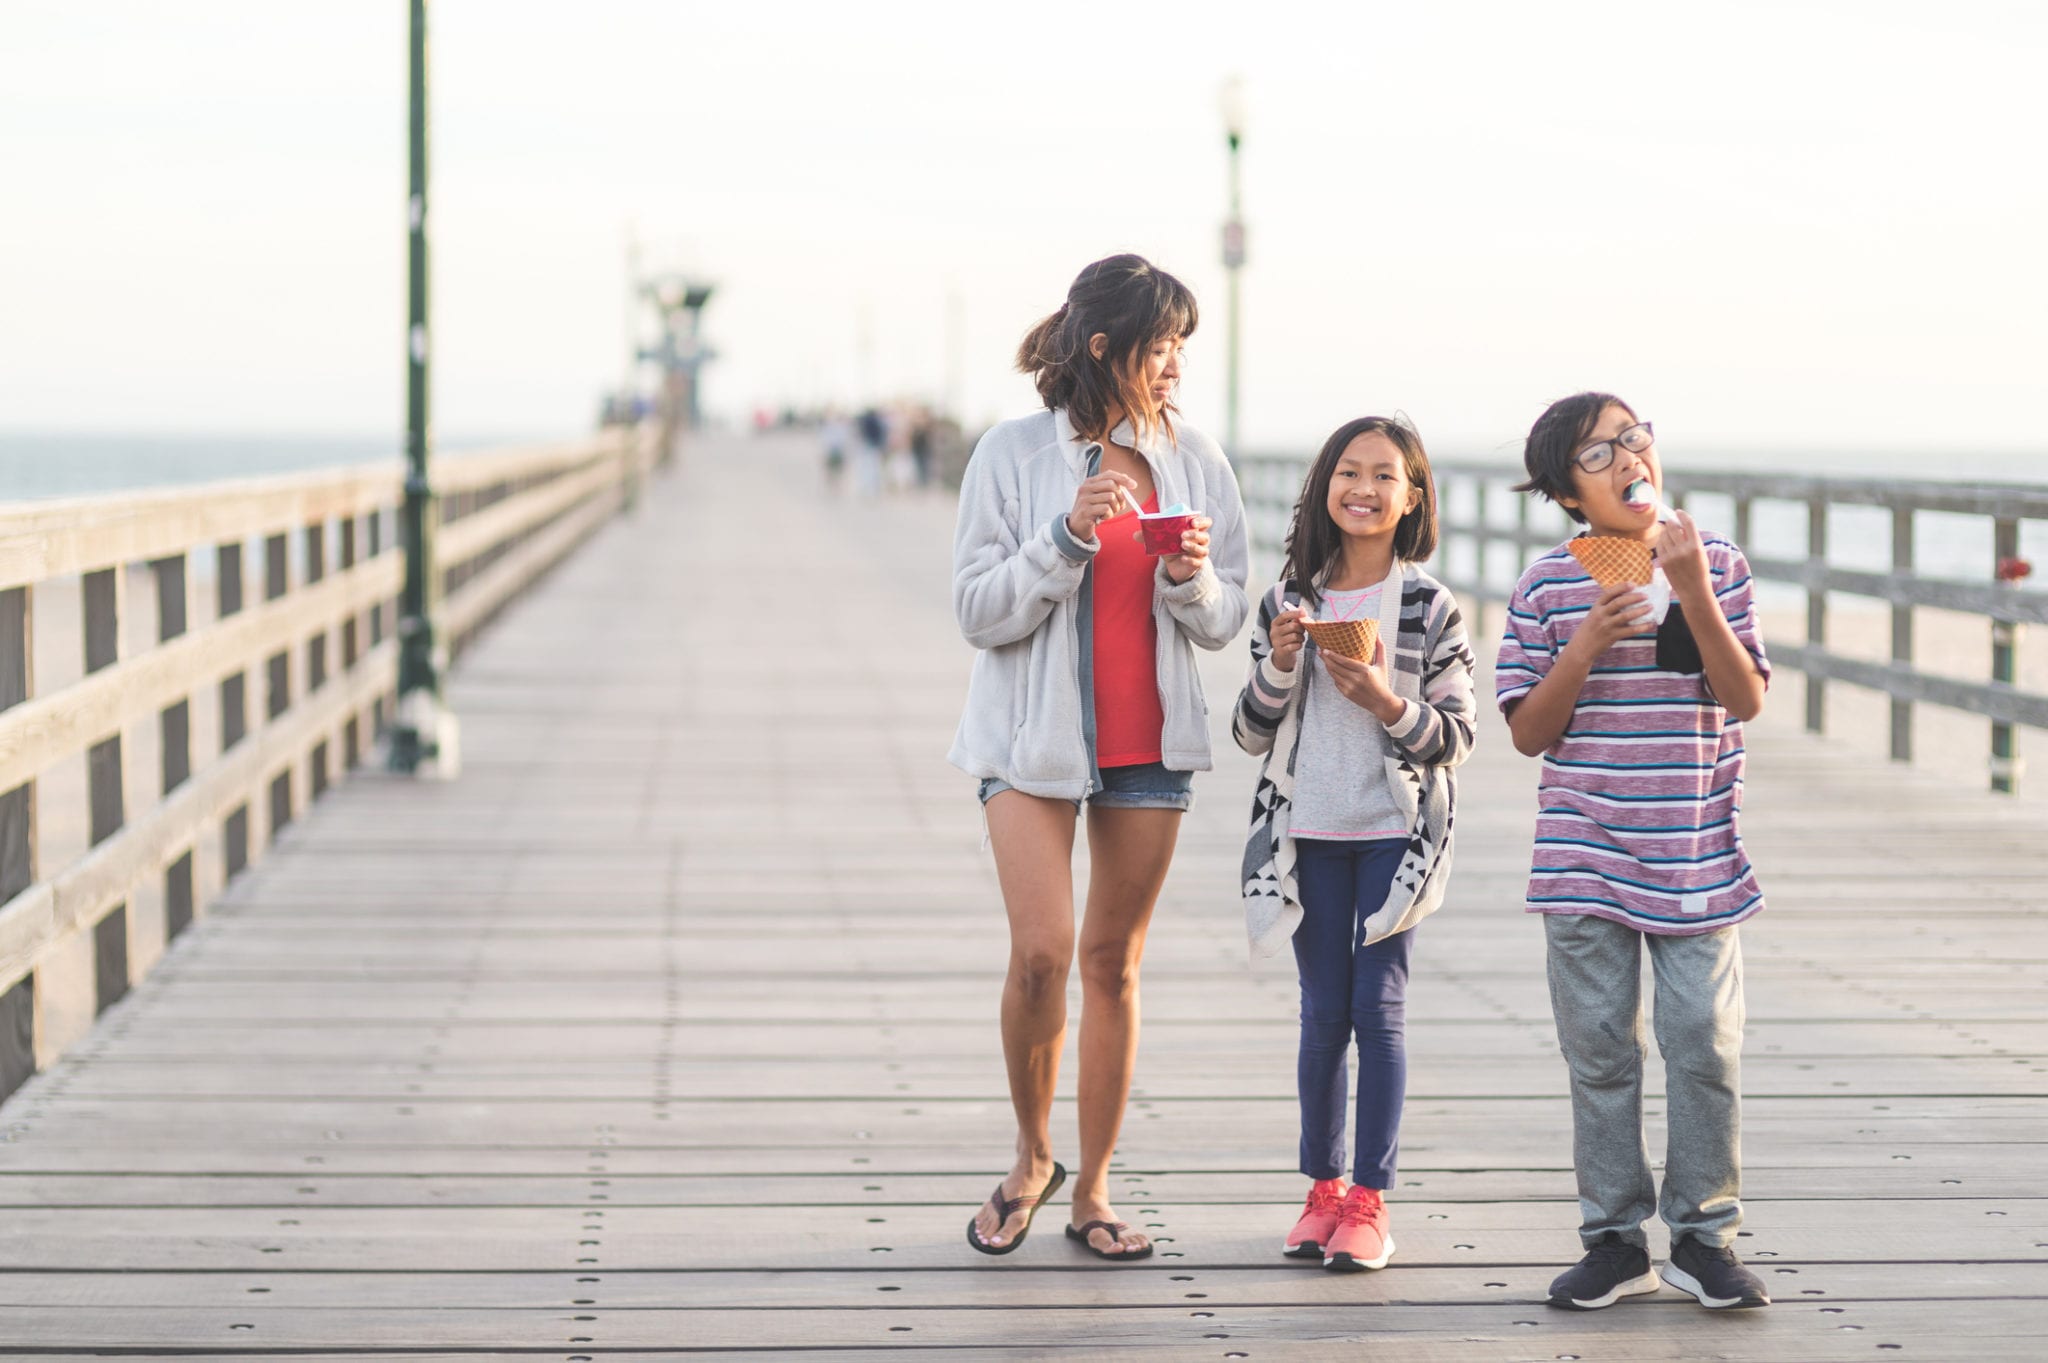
1133, 303
1315, 544
1555, 439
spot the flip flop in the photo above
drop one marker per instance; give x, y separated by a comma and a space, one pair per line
1006, 1207
1115, 1230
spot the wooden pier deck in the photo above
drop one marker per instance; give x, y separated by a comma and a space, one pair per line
670, 1029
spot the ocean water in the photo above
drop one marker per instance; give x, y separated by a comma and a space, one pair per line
36, 465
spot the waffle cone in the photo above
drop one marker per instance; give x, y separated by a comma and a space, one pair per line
1611, 558
1352, 638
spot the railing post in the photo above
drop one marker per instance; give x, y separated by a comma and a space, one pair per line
1482, 532
1816, 606
2005, 641
1902, 632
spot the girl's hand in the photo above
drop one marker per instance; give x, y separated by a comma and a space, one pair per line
1194, 548
1364, 684
1286, 637
1621, 613
1097, 500
1682, 554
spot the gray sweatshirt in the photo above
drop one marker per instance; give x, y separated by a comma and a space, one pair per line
1016, 573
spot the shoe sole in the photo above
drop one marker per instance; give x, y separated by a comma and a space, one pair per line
1307, 1249
1685, 1282
1633, 1287
1345, 1263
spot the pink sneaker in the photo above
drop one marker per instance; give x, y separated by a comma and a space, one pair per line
1318, 1220
1361, 1240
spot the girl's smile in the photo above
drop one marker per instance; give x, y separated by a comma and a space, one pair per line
1369, 489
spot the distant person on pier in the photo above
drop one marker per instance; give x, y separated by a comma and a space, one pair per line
835, 432
1085, 694
921, 431
873, 445
1632, 658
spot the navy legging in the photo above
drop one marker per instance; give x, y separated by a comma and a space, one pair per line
1346, 991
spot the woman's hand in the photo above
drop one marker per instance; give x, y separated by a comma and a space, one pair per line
1286, 637
1365, 684
1682, 554
1194, 550
1622, 612
1097, 500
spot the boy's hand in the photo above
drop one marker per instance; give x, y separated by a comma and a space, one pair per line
1286, 636
1621, 613
1364, 684
1682, 554
1194, 548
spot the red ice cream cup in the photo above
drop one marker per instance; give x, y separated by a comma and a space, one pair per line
1163, 530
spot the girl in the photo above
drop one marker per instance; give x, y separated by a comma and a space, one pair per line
1085, 692
1351, 821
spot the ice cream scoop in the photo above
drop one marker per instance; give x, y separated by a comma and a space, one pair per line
1642, 493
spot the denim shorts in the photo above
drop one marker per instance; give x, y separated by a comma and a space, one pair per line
1148, 785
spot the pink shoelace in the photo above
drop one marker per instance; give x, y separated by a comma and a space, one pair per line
1362, 1205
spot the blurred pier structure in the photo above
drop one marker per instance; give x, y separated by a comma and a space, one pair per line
670, 1025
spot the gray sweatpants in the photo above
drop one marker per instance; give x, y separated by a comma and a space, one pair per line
1595, 968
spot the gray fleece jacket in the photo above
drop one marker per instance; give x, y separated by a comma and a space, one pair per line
1016, 574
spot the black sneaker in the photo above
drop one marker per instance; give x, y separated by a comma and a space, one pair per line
1611, 1270
1714, 1275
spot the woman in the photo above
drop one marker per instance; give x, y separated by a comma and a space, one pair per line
1085, 692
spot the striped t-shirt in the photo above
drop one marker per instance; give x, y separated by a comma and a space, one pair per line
1638, 800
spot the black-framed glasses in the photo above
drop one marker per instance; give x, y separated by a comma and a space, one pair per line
1596, 457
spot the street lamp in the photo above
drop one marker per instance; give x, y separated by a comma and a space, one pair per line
423, 733
1233, 252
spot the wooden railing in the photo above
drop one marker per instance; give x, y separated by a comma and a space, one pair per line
1490, 533
184, 671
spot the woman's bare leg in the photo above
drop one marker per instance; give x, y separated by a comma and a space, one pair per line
1129, 851
1033, 840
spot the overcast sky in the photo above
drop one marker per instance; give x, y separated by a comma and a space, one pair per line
1774, 224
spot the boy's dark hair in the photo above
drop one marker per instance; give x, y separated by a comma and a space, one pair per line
1134, 304
1314, 543
1555, 438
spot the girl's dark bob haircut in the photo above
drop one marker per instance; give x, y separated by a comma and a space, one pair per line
1135, 305
1555, 439
1315, 544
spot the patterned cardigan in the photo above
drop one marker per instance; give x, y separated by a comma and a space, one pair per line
1432, 669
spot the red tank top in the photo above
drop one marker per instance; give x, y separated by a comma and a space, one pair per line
1128, 717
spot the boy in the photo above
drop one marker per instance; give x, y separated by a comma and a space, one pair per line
1638, 719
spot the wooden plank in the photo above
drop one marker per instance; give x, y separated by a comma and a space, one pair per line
1196, 1235
50, 538
1995, 1173
1282, 1282
1668, 1327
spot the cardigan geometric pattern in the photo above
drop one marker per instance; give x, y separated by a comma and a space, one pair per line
1431, 667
